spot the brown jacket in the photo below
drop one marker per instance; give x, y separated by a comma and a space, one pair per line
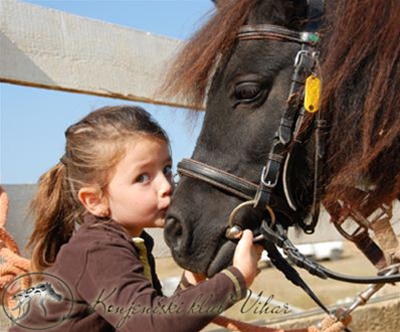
102, 269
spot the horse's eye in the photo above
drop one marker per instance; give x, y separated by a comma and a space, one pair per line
247, 91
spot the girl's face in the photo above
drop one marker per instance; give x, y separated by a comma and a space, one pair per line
139, 192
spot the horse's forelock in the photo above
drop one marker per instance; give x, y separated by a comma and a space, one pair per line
190, 71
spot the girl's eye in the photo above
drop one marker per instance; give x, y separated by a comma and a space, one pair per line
142, 178
167, 170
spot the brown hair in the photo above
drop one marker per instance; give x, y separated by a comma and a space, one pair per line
94, 146
190, 72
361, 99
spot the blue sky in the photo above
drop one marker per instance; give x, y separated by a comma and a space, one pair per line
33, 120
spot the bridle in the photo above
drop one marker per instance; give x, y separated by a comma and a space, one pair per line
288, 136
261, 196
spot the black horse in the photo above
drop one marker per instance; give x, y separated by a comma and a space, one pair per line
251, 61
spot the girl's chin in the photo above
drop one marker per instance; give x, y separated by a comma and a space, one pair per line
159, 223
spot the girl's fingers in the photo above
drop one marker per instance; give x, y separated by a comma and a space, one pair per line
259, 250
247, 236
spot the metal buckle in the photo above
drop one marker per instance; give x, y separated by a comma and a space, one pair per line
269, 184
364, 224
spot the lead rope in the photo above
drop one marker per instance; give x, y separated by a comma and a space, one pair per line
12, 264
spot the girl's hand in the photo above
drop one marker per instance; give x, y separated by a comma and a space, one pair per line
247, 254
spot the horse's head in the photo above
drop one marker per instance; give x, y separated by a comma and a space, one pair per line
52, 294
251, 89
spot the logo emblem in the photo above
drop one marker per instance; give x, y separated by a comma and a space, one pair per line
51, 288
25, 297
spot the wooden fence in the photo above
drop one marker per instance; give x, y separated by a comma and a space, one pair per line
42, 47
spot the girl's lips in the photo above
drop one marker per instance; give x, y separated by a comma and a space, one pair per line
163, 213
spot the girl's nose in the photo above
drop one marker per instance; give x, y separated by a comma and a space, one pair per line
166, 186
164, 193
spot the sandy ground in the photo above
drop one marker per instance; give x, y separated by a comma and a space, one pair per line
273, 287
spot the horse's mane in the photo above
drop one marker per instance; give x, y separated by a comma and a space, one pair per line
360, 97
191, 69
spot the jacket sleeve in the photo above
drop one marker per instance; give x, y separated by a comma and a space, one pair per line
114, 285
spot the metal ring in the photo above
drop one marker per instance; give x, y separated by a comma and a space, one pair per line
272, 215
236, 210
251, 202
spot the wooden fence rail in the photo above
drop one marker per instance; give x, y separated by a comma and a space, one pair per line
45, 48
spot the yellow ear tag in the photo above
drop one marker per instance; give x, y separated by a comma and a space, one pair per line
312, 93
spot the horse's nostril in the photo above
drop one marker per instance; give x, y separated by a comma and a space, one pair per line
173, 231
173, 226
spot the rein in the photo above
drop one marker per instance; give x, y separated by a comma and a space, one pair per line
261, 196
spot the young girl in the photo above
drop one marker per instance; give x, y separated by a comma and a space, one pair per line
91, 209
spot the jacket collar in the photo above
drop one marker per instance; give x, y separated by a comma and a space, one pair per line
91, 220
